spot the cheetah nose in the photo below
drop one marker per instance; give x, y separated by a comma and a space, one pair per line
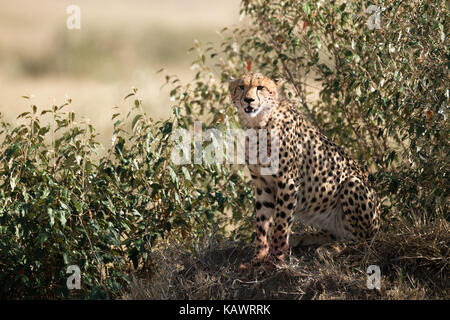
249, 100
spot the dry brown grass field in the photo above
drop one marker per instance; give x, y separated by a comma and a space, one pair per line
413, 263
121, 44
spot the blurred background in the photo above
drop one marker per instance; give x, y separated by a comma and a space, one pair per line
121, 44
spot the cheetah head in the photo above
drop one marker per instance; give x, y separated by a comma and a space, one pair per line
254, 93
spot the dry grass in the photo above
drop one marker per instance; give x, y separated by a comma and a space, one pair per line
414, 264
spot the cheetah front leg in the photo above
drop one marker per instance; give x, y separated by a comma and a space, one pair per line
265, 204
284, 213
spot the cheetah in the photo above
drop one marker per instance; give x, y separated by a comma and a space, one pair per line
317, 183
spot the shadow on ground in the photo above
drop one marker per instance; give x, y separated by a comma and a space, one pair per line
414, 263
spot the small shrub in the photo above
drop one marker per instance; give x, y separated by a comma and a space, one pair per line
63, 203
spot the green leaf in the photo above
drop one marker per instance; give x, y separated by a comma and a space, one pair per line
22, 115
186, 173
66, 258
128, 95
76, 204
43, 236
172, 175
51, 215
306, 8
62, 218
135, 120
167, 128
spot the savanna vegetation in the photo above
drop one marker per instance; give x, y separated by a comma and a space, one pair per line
140, 226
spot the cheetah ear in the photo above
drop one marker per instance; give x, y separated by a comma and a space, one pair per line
278, 81
232, 83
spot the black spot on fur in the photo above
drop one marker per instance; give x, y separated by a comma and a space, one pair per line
268, 204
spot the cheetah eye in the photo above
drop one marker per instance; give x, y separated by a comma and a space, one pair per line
260, 88
241, 87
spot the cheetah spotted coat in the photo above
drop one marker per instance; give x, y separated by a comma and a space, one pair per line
317, 183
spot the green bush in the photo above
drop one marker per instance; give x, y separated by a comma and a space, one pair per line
382, 78
63, 203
